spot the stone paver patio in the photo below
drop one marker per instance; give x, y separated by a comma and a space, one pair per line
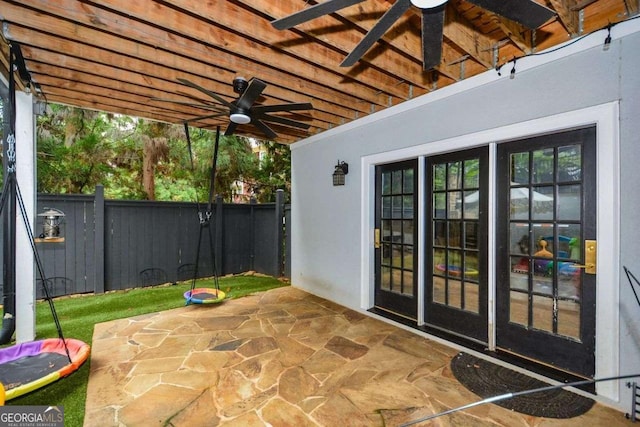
281, 358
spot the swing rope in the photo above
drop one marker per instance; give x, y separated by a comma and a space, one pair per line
10, 186
205, 216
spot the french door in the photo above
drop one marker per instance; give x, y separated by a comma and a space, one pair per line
456, 236
396, 251
546, 218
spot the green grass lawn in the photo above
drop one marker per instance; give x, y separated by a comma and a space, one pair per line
78, 315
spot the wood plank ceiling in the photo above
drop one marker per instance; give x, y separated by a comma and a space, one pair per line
119, 55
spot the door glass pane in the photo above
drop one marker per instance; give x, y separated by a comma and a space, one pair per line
519, 277
543, 313
386, 254
471, 235
396, 185
543, 163
471, 263
569, 318
455, 204
520, 168
386, 230
439, 233
454, 293
519, 308
440, 205
542, 202
471, 204
519, 203
438, 290
407, 232
569, 197
439, 177
439, 260
408, 181
385, 279
471, 297
407, 283
407, 206
397, 207
454, 177
570, 163
386, 183
472, 173
455, 234
386, 207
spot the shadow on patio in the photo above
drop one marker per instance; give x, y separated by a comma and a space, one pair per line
281, 358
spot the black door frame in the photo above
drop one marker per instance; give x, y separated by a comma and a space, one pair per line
564, 354
474, 326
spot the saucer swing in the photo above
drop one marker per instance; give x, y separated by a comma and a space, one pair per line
205, 295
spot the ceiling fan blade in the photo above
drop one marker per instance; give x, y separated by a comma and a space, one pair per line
207, 92
526, 12
208, 116
190, 104
282, 107
269, 133
251, 93
432, 26
281, 120
312, 12
381, 27
230, 129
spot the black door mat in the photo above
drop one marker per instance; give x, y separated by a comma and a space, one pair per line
487, 379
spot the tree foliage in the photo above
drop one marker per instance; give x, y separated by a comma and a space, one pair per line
141, 159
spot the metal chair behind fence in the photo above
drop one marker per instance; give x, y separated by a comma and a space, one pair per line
56, 286
185, 272
152, 276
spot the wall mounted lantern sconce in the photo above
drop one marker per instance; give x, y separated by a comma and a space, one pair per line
51, 220
342, 168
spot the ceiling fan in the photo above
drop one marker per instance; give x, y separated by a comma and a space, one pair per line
526, 12
242, 110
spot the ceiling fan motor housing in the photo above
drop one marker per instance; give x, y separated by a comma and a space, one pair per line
240, 84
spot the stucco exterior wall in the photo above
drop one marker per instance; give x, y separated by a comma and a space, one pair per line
327, 221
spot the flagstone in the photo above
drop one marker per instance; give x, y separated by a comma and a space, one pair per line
149, 409
346, 348
292, 352
190, 379
296, 384
158, 365
140, 384
281, 358
248, 419
221, 323
201, 412
249, 404
259, 345
233, 387
279, 413
338, 410
207, 361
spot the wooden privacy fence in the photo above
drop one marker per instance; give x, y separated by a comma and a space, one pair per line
113, 244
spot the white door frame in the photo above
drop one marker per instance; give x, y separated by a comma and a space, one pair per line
606, 119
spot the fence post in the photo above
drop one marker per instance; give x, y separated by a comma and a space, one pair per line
219, 237
252, 250
279, 240
98, 208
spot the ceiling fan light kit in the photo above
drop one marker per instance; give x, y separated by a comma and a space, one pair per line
427, 4
239, 118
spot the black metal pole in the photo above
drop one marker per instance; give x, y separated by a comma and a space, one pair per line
9, 217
